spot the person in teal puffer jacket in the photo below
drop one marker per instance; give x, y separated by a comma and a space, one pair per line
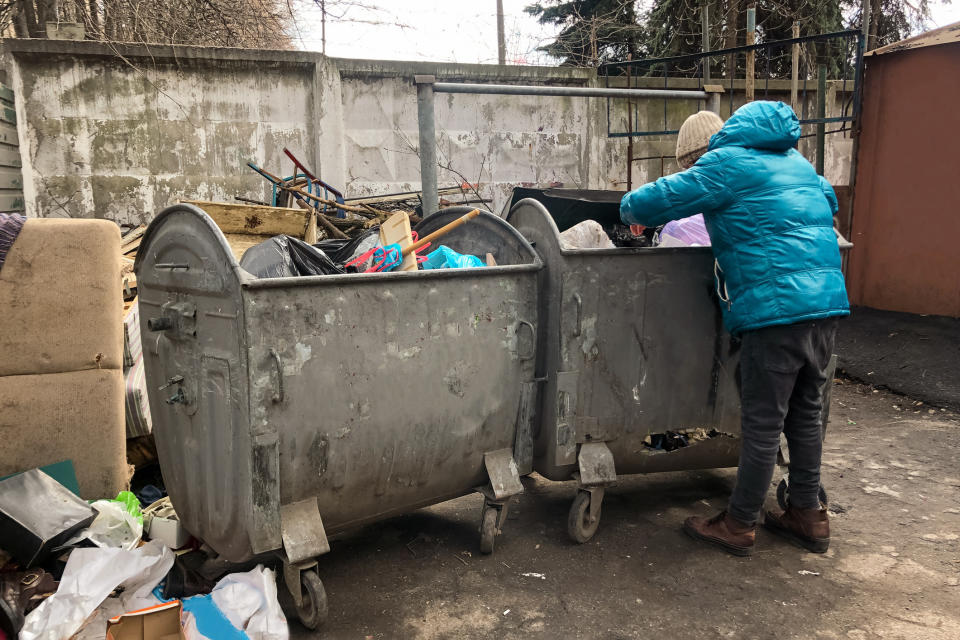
781, 288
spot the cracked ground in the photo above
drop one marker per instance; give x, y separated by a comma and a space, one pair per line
891, 466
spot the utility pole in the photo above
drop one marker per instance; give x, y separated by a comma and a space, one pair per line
323, 27
501, 37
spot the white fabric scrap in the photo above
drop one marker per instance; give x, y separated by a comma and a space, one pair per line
89, 577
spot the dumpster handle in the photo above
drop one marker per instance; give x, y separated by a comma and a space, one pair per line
533, 333
278, 395
579, 301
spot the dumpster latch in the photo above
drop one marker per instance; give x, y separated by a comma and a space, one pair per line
179, 319
178, 397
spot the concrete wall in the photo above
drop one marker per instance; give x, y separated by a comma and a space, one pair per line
120, 131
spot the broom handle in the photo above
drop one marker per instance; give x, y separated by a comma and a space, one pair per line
445, 229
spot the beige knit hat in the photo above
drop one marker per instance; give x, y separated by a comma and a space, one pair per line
694, 137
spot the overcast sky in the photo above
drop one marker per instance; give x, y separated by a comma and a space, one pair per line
439, 30
447, 30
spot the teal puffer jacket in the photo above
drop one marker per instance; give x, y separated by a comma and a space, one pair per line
769, 215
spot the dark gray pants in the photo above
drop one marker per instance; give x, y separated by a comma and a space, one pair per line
782, 374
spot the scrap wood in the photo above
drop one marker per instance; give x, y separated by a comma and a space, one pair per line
131, 236
321, 218
396, 230
400, 197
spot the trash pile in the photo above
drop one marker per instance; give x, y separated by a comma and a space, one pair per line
392, 246
117, 569
590, 234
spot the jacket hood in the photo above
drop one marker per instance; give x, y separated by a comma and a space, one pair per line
759, 125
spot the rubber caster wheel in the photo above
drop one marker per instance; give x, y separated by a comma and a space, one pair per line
580, 525
488, 530
313, 610
783, 495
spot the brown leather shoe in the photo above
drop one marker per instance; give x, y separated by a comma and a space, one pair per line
807, 528
723, 531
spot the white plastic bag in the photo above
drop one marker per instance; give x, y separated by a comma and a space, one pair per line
586, 235
119, 523
249, 602
90, 576
686, 232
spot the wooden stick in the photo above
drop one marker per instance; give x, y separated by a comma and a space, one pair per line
442, 231
318, 217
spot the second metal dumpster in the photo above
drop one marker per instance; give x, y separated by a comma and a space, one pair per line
289, 410
640, 375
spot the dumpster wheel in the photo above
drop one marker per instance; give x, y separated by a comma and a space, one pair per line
581, 525
488, 529
783, 495
313, 610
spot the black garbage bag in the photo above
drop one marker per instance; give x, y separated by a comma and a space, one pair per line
344, 252
286, 257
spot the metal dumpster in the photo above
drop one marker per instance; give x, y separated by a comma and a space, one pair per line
634, 356
289, 410
639, 374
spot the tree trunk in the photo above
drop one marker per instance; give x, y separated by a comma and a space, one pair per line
875, 8
20, 21
730, 37
33, 28
93, 18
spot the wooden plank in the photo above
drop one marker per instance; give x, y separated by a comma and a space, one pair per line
396, 230
236, 218
11, 178
8, 114
131, 240
9, 156
131, 247
240, 242
11, 201
8, 134
446, 191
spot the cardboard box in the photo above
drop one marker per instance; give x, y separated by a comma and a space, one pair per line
61, 296
160, 622
74, 416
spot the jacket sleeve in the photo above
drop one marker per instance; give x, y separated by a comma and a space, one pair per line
699, 189
829, 194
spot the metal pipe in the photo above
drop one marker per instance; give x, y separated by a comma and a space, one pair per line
586, 92
821, 114
428, 143
794, 68
750, 77
501, 37
630, 129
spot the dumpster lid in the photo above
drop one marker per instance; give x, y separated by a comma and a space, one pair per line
568, 207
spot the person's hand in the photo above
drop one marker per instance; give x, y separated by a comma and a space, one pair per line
637, 229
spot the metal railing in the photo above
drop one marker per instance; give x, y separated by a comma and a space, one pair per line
841, 52
427, 86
